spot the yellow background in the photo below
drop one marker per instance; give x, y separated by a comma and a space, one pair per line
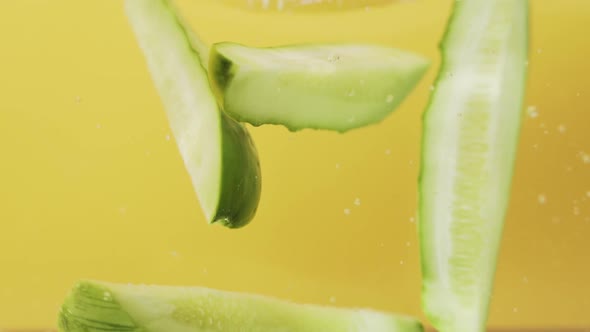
90, 186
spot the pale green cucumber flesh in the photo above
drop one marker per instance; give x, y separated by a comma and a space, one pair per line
95, 306
335, 87
470, 135
218, 152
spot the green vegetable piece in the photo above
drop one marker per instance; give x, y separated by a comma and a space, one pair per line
98, 306
218, 152
335, 87
470, 136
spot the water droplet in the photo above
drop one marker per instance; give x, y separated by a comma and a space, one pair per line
205, 271
168, 137
514, 309
98, 126
389, 99
585, 157
401, 262
388, 152
539, 51
347, 212
332, 299
78, 99
561, 128
408, 243
578, 94
357, 201
542, 199
412, 219
546, 132
337, 166
532, 111
525, 279
122, 210
588, 193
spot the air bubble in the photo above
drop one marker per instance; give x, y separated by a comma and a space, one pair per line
412, 219
408, 243
347, 212
585, 157
78, 99
357, 201
576, 211
351, 93
337, 166
332, 299
168, 137
388, 152
542, 199
532, 112
389, 99
561, 128
98, 126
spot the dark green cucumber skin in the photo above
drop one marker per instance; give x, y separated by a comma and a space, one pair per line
427, 274
106, 314
241, 176
220, 73
240, 187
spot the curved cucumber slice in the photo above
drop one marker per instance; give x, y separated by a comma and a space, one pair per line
98, 307
333, 87
471, 130
218, 152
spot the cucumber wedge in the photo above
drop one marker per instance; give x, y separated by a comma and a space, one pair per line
335, 87
98, 306
470, 135
218, 152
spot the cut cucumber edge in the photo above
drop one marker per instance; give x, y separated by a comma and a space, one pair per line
336, 87
93, 306
431, 303
218, 153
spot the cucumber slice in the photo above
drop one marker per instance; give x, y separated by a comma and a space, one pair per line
335, 87
218, 152
98, 306
470, 136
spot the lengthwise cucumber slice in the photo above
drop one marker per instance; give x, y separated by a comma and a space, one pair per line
335, 87
218, 152
98, 307
471, 130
